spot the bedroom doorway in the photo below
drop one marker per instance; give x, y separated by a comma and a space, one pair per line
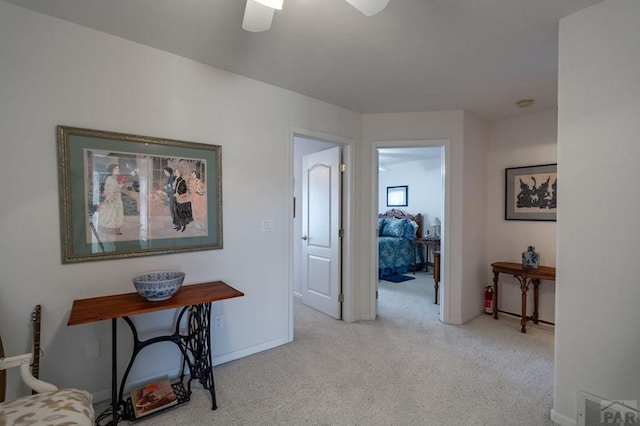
418, 168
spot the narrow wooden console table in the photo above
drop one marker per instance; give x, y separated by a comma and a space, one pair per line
525, 276
195, 346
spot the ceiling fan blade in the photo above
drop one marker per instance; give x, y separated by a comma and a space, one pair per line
257, 17
368, 7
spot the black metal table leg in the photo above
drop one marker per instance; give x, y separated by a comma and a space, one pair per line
198, 347
111, 415
195, 347
114, 373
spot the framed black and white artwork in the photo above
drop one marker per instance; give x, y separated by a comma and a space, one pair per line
531, 192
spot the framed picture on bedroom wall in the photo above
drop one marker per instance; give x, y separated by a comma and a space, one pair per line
397, 196
531, 193
125, 195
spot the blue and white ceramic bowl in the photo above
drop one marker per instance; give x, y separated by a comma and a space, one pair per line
159, 285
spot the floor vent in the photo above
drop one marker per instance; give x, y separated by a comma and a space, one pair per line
597, 411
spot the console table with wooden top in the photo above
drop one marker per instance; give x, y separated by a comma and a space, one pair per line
525, 277
195, 346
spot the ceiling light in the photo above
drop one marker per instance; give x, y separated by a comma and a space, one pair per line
273, 4
257, 17
369, 7
524, 103
258, 14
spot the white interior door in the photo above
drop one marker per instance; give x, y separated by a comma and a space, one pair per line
321, 241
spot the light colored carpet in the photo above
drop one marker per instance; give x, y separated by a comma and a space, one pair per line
405, 368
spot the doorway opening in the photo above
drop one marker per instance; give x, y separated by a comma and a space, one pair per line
321, 235
408, 264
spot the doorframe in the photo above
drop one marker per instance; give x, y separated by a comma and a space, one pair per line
445, 144
346, 218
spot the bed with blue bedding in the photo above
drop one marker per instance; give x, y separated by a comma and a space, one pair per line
397, 253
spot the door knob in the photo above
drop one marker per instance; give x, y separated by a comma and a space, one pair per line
304, 237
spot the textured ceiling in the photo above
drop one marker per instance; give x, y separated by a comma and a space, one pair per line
416, 55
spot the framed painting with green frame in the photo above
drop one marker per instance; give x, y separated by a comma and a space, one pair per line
124, 195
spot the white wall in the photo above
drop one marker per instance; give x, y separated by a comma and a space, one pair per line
460, 282
526, 140
424, 179
474, 265
597, 340
54, 72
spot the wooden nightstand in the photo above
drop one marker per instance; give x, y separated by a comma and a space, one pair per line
425, 242
436, 274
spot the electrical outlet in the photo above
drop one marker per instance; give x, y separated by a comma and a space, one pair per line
92, 349
218, 321
267, 225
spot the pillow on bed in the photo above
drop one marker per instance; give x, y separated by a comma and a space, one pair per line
410, 230
382, 221
400, 228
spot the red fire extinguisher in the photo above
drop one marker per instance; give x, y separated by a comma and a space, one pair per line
488, 300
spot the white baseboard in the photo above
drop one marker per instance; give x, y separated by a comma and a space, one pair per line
474, 315
363, 318
561, 420
463, 320
232, 356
